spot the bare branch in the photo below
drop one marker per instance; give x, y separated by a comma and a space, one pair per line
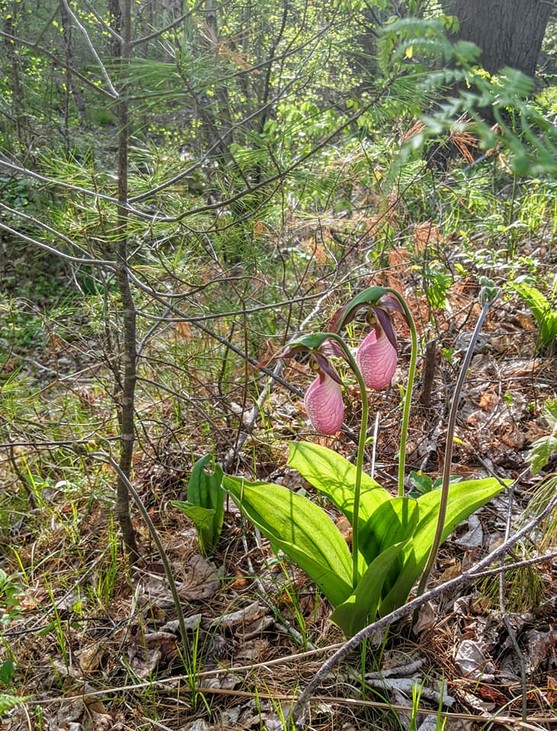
36, 222
92, 48
166, 28
52, 250
106, 26
58, 61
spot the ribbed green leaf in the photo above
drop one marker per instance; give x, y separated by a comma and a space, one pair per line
361, 606
335, 477
205, 503
464, 499
301, 529
392, 522
202, 517
544, 314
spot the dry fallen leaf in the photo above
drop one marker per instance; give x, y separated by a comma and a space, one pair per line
472, 660
90, 656
149, 649
201, 580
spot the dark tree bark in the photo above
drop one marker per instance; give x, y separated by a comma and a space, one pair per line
121, 23
15, 73
509, 32
72, 85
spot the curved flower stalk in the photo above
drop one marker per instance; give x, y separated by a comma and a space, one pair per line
377, 355
325, 408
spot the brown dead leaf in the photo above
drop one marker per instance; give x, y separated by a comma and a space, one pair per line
427, 234
541, 648
255, 650
241, 581
248, 622
153, 591
489, 693
502, 343
427, 618
525, 320
551, 691
343, 524
453, 570
201, 580
103, 722
487, 400
149, 649
183, 329
473, 661
90, 657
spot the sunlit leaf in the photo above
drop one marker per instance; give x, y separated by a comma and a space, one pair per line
464, 499
205, 502
361, 606
335, 477
301, 529
541, 451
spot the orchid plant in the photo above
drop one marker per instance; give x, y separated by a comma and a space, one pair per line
392, 536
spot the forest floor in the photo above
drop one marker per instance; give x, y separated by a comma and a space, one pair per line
92, 644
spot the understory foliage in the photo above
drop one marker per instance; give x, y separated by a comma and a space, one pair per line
186, 189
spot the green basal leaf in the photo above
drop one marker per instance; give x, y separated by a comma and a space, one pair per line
392, 522
423, 482
202, 517
335, 477
9, 701
540, 306
301, 529
7, 672
205, 502
204, 521
362, 605
464, 499
549, 411
541, 451
548, 328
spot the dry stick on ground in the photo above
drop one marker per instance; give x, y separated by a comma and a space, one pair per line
504, 615
488, 301
162, 683
294, 717
89, 695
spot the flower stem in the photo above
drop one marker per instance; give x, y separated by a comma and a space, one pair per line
359, 455
409, 389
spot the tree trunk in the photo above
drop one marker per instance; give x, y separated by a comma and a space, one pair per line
509, 32
72, 85
121, 22
15, 74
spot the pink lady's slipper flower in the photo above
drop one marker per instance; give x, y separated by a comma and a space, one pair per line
323, 399
376, 358
377, 355
324, 405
